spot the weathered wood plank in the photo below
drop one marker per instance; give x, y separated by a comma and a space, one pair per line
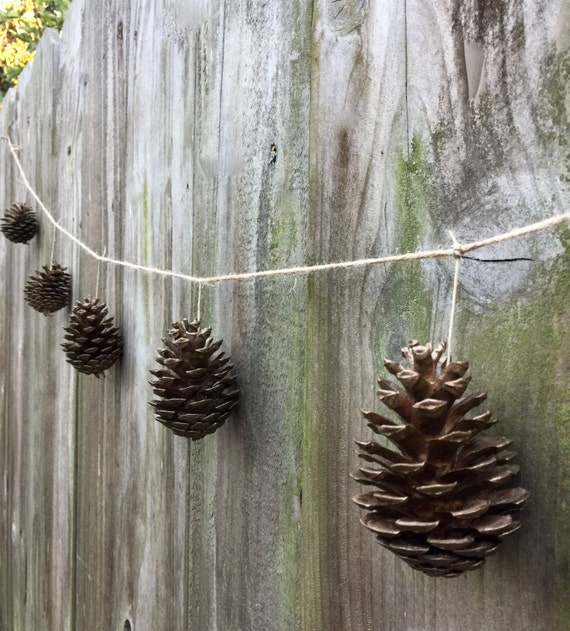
479, 80
249, 214
132, 478
357, 116
38, 435
149, 132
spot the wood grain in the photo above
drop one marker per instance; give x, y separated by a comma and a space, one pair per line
217, 137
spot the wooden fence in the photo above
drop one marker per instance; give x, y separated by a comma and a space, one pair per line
212, 137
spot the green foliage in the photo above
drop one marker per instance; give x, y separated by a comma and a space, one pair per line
22, 23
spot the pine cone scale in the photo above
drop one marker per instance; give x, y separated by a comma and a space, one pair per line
455, 544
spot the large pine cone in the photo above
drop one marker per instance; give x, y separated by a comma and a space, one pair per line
49, 291
19, 223
93, 344
440, 501
195, 385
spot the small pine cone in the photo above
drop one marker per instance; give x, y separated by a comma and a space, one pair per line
439, 501
93, 344
19, 223
195, 385
49, 291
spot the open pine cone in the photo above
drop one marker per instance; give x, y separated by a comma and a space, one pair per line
49, 291
92, 343
19, 223
440, 500
194, 382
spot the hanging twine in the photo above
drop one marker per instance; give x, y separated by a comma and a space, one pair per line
99, 273
199, 303
458, 257
457, 251
53, 245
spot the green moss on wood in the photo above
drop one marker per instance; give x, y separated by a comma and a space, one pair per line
291, 493
410, 182
562, 419
519, 354
554, 113
282, 238
411, 212
288, 337
562, 416
406, 304
553, 125
562, 411
315, 546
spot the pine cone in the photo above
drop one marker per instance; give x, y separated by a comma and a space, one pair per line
19, 223
440, 502
93, 344
49, 291
195, 385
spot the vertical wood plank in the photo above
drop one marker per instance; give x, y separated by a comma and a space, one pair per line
132, 487
357, 113
250, 214
38, 461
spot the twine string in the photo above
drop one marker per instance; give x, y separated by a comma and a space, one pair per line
455, 251
201, 284
199, 302
458, 257
98, 273
53, 245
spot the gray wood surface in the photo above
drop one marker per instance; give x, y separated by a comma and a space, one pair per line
147, 129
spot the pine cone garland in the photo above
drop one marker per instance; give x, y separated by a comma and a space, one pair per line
49, 291
19, 223
440, 501
93, 344
196, 387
